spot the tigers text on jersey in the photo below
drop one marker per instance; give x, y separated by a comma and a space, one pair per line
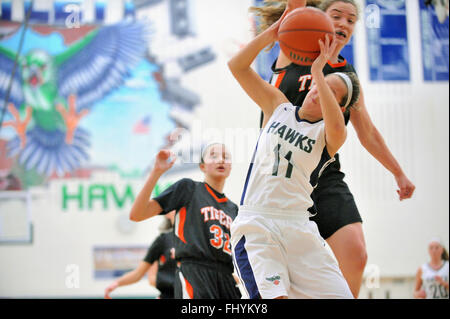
287, 152
202, 222
432, 288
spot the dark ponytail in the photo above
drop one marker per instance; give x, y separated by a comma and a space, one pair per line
444, 255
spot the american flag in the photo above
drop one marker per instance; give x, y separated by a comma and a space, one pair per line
142, 126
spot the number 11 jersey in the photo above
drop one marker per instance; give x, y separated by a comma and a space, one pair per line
287, 154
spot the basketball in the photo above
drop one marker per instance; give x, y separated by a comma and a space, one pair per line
299, 34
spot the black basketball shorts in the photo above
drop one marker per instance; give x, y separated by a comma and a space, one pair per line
202, 280
334, 206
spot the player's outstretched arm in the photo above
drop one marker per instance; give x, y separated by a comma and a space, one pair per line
262, 93
373, 142
129, 278
143, 206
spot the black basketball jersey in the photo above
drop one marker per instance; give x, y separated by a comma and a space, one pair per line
161, 251
202, 222
295, 80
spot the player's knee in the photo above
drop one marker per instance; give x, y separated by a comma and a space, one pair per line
363, 260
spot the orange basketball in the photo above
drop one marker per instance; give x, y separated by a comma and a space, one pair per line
300, 31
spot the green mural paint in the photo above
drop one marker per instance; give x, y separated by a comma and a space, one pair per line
98, 192
87, 195
76, 196
128, 194
156, 190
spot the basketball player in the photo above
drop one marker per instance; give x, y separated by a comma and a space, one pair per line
159, 264
202, 224
336, 213
432, 277
278, 252
162, 252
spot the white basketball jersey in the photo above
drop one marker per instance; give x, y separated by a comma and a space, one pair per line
432, 288
287, 152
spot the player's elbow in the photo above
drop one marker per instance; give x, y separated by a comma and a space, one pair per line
135, 216
237, 67
336, 138
233, 67
338, 132
341, 137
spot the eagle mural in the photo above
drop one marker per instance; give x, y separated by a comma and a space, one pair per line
50, 94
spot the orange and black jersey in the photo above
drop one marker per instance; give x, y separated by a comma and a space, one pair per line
295, 80
202, 222
161, 251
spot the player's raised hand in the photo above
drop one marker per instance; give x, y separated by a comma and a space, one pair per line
291, 5
294, 4
327, 48
164, 161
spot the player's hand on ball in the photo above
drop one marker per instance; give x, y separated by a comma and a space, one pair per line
326, 51
291, 5
294, 4
164, 161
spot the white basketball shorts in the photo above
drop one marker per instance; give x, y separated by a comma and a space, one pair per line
282, 254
